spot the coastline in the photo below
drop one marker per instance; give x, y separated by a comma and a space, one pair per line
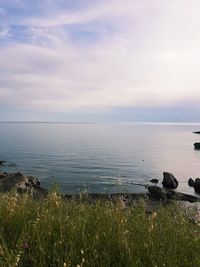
32, 186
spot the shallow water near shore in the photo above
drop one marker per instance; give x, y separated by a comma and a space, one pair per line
103, 158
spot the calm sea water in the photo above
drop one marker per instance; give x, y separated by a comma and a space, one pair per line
100, 157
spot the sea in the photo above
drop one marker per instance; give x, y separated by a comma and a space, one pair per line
101, 157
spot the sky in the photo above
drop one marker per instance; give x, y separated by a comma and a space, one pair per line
100, 60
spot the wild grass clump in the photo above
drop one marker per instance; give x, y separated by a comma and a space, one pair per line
56, 232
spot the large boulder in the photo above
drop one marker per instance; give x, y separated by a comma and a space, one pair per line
21, 183
197, 146
197, 185
169, 181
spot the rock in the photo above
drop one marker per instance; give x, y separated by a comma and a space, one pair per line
155, 181
169, 181
197, 185
157, 192
197, 132
21, 183
33, 181
197, 146
2, 175
2, 162
186, 197
191, 182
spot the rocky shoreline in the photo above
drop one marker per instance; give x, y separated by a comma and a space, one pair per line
31, 185
22, 184
155, 197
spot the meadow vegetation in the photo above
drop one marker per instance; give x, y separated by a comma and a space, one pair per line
56, 232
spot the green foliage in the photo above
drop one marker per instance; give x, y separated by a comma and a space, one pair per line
56, 232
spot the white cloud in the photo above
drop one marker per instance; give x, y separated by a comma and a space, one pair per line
100, 10
4, 33
153, 59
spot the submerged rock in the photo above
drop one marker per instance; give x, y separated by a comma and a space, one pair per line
22, 183
197, 146
191, 182
155, 181
169, 181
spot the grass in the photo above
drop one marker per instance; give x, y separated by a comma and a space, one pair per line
54, 232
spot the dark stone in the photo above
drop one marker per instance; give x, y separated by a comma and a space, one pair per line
33, 181
197, 146
22, 183
155, 181
197, 185
197, 132
169, 181
2, 175
191, 182
186, 197
2, 162
157, 192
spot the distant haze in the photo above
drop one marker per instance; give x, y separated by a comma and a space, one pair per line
100, 60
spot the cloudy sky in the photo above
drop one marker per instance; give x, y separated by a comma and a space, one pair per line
100, 60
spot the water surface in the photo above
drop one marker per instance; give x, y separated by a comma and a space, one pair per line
100, 157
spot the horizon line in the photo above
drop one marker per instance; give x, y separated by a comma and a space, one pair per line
103, 122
